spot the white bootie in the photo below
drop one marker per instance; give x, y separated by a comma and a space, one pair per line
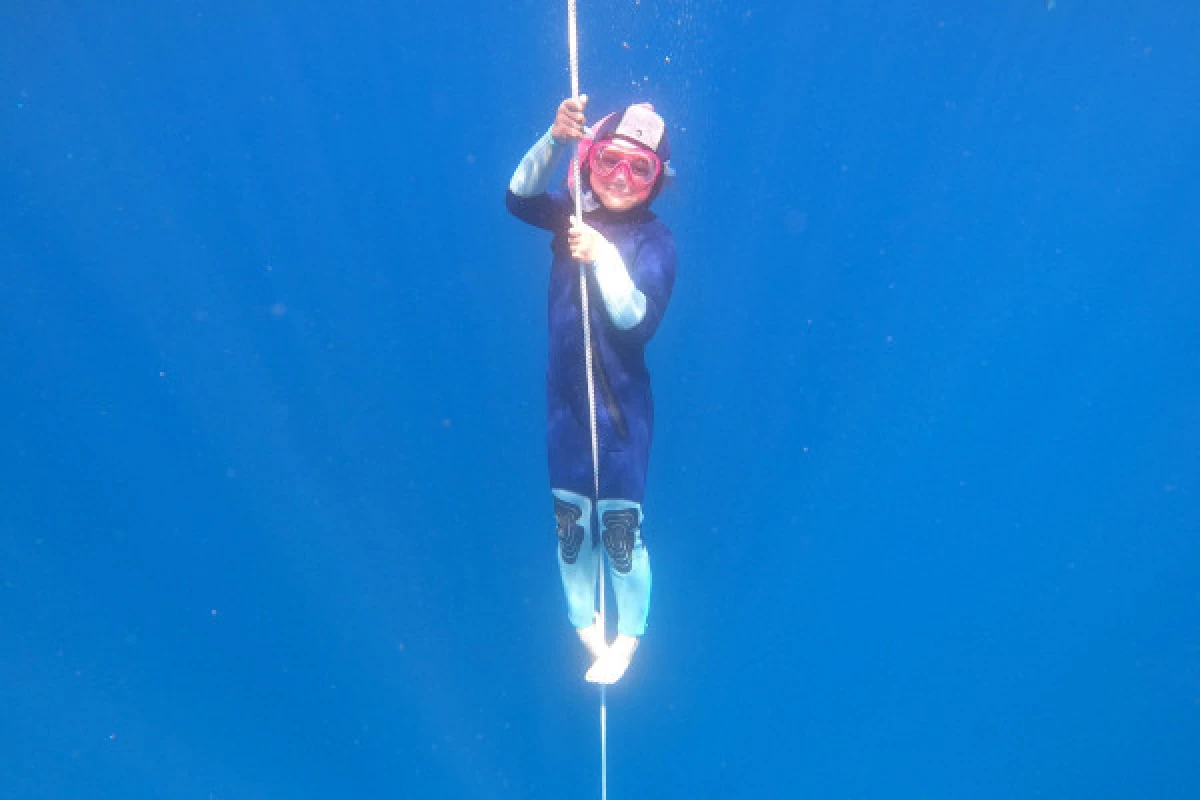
611, 664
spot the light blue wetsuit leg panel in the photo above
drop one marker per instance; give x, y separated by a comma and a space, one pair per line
577, 555
628, 562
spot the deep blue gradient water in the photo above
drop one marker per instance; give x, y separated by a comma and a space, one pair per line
924, 506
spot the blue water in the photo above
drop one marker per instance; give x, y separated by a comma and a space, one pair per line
924, 505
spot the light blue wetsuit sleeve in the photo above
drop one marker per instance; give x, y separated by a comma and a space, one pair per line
653, 273
533, 173
527, 197
626, 304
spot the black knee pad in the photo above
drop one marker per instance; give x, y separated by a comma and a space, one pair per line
570, 532
620, 535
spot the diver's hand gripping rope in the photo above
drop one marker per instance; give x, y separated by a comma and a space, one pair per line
573, 44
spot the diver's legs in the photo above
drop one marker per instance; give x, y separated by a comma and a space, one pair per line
577, 564
629, 570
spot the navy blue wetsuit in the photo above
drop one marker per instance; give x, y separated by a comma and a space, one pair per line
624, 404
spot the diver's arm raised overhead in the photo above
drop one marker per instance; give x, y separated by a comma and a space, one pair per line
533, 173
527, 197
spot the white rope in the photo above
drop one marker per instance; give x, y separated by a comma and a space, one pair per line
573, 42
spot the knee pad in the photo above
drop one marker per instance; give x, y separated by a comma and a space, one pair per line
621, 521
572, 518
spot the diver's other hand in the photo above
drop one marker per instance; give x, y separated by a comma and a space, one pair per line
569, 121
584, 240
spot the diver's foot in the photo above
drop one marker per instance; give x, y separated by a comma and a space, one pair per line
593, 639
611, 665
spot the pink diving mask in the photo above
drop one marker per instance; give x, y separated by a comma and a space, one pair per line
606, 157
641, 167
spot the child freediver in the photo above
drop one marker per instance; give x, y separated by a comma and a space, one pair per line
629, 259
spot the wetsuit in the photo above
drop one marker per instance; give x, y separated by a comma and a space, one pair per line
629, 286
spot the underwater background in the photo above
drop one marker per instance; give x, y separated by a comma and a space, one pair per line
924, 503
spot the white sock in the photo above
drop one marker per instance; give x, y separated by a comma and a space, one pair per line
610, 666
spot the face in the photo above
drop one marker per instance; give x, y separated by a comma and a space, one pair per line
622, 174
